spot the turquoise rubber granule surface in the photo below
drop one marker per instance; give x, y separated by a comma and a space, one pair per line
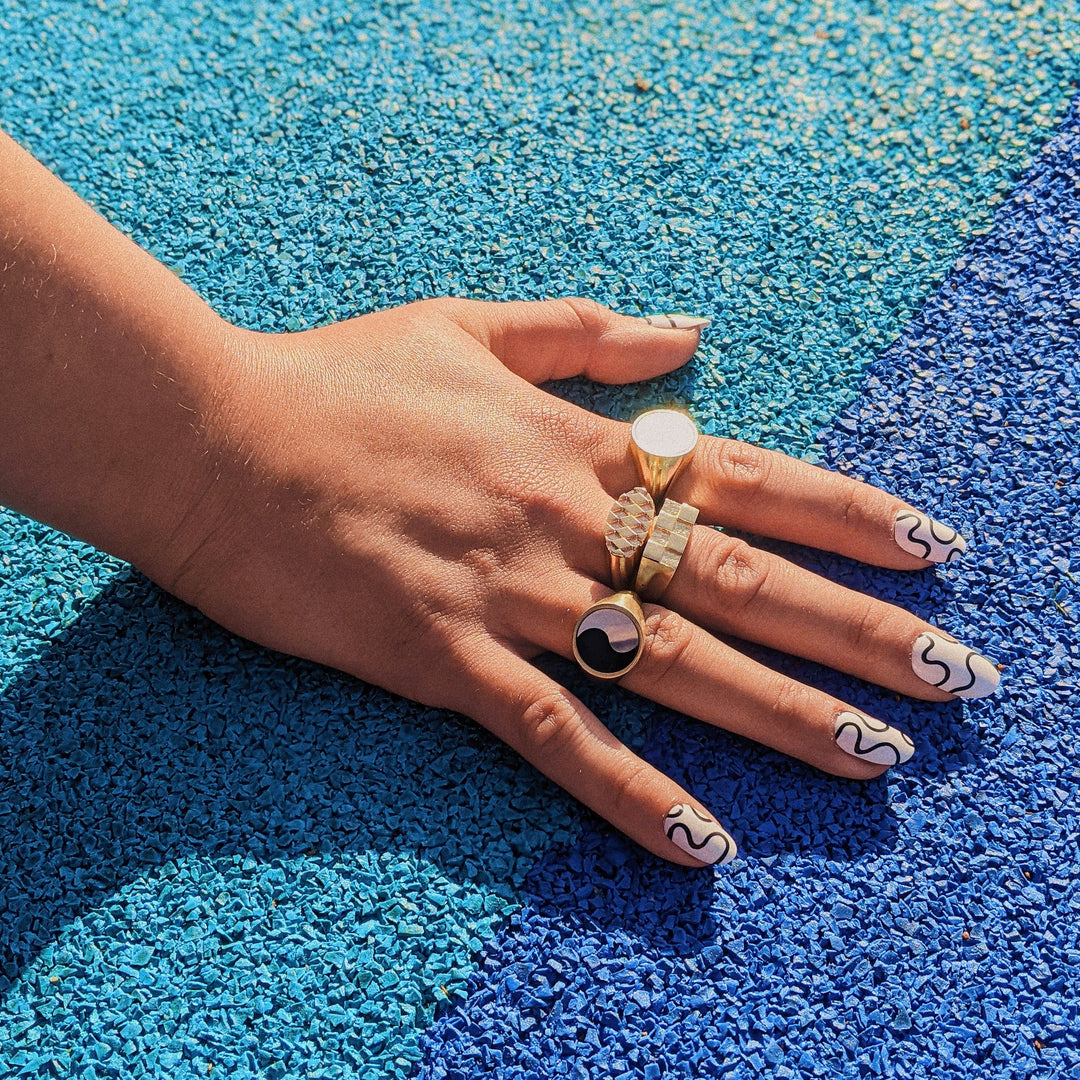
212, 855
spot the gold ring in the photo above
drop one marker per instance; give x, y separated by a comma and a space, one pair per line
625, 533
662, 442
664, 549
609, 637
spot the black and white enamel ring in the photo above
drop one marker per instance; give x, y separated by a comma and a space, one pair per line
662, 442
610, 635
625, 533
664, 549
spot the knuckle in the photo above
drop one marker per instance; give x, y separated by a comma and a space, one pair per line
741, 468
587, 314
588, 322
547, 722
667, 641
483, 562
422, 313
434, 303
451, 307
792, 702
628, 780
740, 574
868, 627
851, 511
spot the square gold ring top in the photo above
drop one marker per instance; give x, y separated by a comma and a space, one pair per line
664, 549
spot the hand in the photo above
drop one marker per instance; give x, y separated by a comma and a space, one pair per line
394, 497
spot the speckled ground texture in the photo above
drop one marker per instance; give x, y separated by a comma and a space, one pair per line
215, 856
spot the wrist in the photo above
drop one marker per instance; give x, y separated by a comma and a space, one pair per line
159, 497
121, 451
113, 372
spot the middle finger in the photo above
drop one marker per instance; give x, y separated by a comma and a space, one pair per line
729, 586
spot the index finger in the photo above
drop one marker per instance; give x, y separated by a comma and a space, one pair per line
762, 491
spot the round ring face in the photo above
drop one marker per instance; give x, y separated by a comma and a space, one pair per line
664, 433
607, 642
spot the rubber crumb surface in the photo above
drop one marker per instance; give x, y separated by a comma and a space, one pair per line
212, 856
923, 925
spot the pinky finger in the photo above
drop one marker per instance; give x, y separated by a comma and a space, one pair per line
554, 731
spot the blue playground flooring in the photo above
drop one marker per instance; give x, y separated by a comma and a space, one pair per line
215, 860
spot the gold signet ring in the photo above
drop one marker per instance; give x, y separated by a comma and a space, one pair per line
609, 637
664, 549
625, 533
662, 442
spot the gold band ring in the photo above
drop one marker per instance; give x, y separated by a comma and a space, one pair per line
662, 442
625, 532
664, 549
610, 635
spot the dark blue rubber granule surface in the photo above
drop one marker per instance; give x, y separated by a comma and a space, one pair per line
924, 925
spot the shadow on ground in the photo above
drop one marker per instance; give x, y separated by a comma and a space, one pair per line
146, 733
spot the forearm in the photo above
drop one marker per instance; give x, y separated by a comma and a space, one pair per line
108, 365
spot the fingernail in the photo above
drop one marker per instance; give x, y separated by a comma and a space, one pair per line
678, 322
698, 835
920, 535
872, 740
943, 662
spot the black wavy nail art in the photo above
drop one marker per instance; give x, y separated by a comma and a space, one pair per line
912, 538
874, 749
950, 537
950, 544
713, 837
925, 657
960, 666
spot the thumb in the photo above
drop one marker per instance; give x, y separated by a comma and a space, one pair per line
555, 339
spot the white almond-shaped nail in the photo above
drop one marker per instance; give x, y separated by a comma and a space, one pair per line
678, 322
920, 535
945, 663
698, 835
872, 740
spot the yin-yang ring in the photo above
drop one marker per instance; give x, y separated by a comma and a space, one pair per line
610, 635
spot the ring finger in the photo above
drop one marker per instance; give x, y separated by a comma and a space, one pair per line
686, 669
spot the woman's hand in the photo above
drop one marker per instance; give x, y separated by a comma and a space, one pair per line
393, 496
